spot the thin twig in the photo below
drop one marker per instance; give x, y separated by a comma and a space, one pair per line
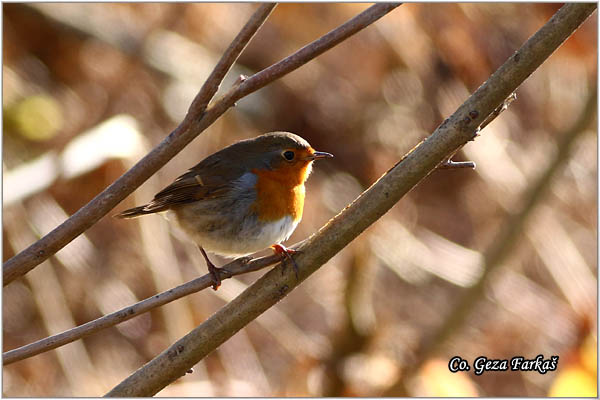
88, 215
211, 85
449, 164
191, 127
457, 165
366, 209
236, 267
501, 108
310, 51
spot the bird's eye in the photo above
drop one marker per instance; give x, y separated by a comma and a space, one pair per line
288, 155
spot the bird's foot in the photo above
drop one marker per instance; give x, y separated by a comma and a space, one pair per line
214, 272
286, 254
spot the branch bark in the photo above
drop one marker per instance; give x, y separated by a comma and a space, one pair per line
501, 248
236, 267
197, 120
88, 215
366, 209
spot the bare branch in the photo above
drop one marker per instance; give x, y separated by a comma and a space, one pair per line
501, 108
449, 164
500, 248
366, 209
236, 267
310, 51
457, 165
212, 83
88, 215
191, 127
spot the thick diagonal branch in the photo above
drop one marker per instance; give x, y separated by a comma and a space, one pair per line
366, 209
499, 250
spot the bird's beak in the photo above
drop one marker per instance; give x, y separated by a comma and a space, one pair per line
320, 154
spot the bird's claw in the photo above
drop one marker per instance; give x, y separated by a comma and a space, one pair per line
215, 273
286, 255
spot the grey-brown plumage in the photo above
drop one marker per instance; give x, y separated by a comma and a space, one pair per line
214, 175
241, 199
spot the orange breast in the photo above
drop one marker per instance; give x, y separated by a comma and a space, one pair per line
280, 193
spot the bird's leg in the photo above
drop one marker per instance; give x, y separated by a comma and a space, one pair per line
286, 254
212, 270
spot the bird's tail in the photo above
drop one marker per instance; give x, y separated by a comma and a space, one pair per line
135, 212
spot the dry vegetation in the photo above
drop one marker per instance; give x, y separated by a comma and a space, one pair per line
358, 327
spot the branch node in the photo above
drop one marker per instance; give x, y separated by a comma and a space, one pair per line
449, 164
511, 97
239, 80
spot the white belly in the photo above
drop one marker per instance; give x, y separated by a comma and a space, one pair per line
250, 239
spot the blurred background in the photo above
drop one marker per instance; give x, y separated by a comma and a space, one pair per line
88, 89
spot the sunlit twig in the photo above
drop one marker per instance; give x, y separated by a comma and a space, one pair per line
191, 127
236, 267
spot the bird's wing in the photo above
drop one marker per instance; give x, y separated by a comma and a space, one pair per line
209, 179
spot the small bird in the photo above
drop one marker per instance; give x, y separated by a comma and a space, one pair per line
241, 199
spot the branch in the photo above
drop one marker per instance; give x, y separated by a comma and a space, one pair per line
308, 52
501, 108
262, 78
88, 215
175, 361
195, 123
212, 83
501, 247
236, 267
449, 164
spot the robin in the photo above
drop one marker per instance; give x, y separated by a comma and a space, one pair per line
241, 199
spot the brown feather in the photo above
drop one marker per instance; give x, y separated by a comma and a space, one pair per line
213, 176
